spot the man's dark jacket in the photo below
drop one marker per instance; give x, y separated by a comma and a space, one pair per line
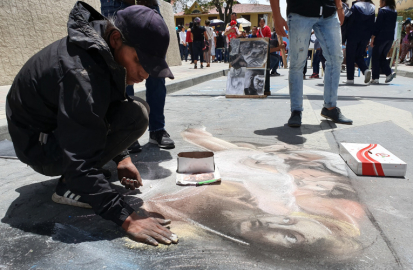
66, 88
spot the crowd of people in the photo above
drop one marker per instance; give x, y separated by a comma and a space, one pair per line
206, 45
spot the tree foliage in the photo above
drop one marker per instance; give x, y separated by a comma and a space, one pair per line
185, 5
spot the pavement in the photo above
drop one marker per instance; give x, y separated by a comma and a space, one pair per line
287, 200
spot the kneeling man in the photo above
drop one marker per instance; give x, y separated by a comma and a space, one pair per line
68, 113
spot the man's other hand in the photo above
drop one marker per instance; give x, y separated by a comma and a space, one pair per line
128, 175
280, 24
149, 230
341, 17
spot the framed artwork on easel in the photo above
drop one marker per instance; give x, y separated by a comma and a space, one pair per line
248, 72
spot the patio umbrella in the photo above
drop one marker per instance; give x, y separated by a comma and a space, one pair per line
216, 22
244, 22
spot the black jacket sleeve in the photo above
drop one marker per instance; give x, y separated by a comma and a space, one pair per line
83, 101
379, 24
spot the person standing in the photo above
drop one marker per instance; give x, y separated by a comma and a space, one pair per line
220, 46
263, 30
382, 40
182, 45
318, 57
359, 30
198, 37
209, 35
405, 43
189, 41
254, 32
155, 87
324, 16
234, 18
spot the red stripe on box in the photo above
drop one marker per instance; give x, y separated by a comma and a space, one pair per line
379, 168
367, 167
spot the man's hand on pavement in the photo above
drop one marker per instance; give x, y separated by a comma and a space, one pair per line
149, 230
128, 174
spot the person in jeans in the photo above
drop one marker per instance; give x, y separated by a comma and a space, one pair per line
318, 57
220, 46
198, 36
382, 40
275, 59
84, 118
359, 30
324, 17
182, 45
155, 87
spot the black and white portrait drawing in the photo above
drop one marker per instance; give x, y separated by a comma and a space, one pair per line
234, 46
235, 81
254, 52
254, 82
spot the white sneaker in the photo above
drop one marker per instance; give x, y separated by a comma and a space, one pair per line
376, 81
349, 82
390, 77
367, 76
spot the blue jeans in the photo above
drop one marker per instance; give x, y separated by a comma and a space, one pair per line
328, 32
226, 55
218, 54
184, 52
155, 87
274, 62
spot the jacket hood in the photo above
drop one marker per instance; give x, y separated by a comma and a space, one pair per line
86, 27
365, 8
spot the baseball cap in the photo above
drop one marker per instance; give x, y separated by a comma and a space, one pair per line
145, 30
233, 22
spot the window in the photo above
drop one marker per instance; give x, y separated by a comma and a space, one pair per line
180, 21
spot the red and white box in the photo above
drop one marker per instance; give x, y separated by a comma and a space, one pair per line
372, 159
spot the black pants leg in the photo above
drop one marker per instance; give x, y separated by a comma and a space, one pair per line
379, 57
127, 122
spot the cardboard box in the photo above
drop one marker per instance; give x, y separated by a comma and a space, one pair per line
196, 167
372, 159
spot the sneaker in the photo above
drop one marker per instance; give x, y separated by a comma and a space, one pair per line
202, 66
275, 74
295, 119
314, 76
162, 139
349, 82
63, 195
390, 77
135, 147
376, 81
367, 76
195, 66
336, 116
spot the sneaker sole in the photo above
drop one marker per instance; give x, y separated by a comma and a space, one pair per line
162, 146
63, 200
344, 123
391, 79
368, 77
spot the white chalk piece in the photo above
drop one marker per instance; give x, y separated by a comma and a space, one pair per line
372, 160
197, 168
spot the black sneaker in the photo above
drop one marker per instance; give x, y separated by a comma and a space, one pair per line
64, 196
135, 147
162, 139
336, 116
295, 119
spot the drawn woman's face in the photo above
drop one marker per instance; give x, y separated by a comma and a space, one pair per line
275, 197
254, 53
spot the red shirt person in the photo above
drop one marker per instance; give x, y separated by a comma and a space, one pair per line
264, 30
